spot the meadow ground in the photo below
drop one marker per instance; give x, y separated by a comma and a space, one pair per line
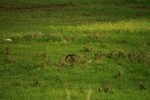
74, 49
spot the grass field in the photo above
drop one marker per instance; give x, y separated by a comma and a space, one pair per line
74, 49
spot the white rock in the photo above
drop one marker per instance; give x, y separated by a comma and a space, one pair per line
8, 40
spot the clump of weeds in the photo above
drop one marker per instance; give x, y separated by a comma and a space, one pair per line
7, 54
106, 87
132, 56
140, 57
116, 54
87, 49
119, 73
93, 35
142, 87
98, 57
88, 59
43, 37
70, 38
33, 35
44, 59
55, 37
70, 60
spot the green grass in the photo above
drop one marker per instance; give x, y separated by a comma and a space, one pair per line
75, 49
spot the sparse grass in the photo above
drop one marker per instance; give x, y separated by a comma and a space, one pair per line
74, 49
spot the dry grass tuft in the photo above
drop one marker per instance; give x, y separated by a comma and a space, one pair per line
87, 49
106, 87
89, 94
120, 73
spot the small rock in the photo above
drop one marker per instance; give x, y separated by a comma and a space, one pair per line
8, 40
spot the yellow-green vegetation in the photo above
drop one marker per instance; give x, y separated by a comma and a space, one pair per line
74, 49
